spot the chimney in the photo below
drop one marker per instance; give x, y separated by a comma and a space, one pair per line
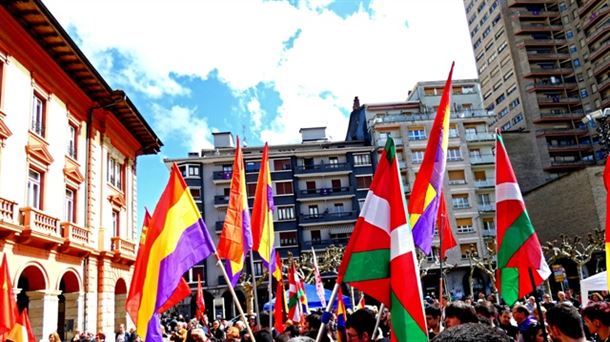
356, 105
313, 134
223, 140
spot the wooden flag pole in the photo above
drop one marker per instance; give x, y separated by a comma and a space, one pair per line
258, 314
540, 316
232, 290
329, 305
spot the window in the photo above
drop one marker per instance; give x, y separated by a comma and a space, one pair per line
281, 164
314, 211
503, 46
35, 189
514, 103
417, 156
361, 200
283, 188
251, 189
453, 131
508, 75
114, 173
576, 63
253, 166
196, 193
503, 112
500, 98
363, 182
488, 223
70, 205
339, 208
71, 148
417, 133
456, 177
288, 238
573, 48
285, 213
193, 170
460, 201
518, 118
468, 249
484, 199
316, 236
569, 34
38, 108
116, 220
474, 153
511, 89
464, 225
480, 175
362, 159
333, 161
584, 93
497, 85
562, 6
454, 154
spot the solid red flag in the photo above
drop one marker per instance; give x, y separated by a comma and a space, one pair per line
444, 228
278, 313
22, 331
8, 306
132, 304
200, 301
182, 291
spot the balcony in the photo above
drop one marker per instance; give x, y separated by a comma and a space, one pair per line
487, 207
313, 219
524, 13
542, 72
382, 141
221, 201
221, 176
480, 136
603, 85
514, 3
571, 148
600, 51
595, 17
313, 194
558, 132
542, 42
482, 159
461, 205
548, 86
322, 168
602, 66
8, 223
537, 57
123, 251
484, 184
307, 245
488, 232
40, 229
530, 28
77, 240
586, 6
567, 165
557, 100
599, 33
558, 116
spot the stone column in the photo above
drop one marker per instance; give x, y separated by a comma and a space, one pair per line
43, 308
74, 310
90, 310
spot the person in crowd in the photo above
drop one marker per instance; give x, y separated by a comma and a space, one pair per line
472, 332
360, 326
198, 335
486, 312
457, 313
565, 324
99, 337
562, 298
122, 335
534, 333
596, 317
505, 323
522, 316
596, 297
433, 320
54, 337
233, 334
217, 332
385, 322
311, 326
264, 333
531, 303
547, 301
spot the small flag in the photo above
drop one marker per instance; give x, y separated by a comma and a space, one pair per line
132, 303
22, 331
280, 307
8, 306
341, 317
200, 300
296, 296
319, 286
361, 304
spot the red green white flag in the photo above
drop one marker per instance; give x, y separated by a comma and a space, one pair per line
380, 258
517, 243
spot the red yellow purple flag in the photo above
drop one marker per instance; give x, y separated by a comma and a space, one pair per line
262, 214
341, 317
607, 184
424, 200
236, 237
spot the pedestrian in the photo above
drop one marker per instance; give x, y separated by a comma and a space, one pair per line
596, 317
360, 326
565, 324
54, 337
459, 312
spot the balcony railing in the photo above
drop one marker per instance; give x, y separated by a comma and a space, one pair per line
595, 17
557, 99
600, 51
123, 246
534, 71
544, 42
7, 210
382, 141
221, 200
222, 175
74, 233
524, 13
324, 192
430, 116
567, 148
527, 2
487, 207
488, 232
598, 33
328, 217
480, 136
487, 183
482, 159
461, 205
323, 243
533, 56
315, 168
39, 222
561, 131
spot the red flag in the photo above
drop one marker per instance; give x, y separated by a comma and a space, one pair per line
444, 228
22, 331
132, 304
182, 291
278, 313
607, 241
200, 301
8, 306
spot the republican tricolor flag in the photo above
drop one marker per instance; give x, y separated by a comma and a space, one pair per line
262, 214
607, 184
341, 317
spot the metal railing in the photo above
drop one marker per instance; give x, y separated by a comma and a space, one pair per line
325, 191
330, 167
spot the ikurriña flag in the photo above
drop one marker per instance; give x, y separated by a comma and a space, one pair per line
236, 237
424, 199
262, 214
518, 248
297, 300
380, 258
182, 240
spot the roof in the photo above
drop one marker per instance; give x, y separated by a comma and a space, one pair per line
40, 24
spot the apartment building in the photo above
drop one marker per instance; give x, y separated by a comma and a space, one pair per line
318, 188
469, 184
543, 65
68, 151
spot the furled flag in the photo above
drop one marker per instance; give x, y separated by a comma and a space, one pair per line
200, 300
296, 296
8, 305
280, 297
22, 331
444, 229
132, 303
341, 317
361, 304
382, 238
236, 237
262, 214
607, 184
182, 240
424, 200
318, 278
517, 243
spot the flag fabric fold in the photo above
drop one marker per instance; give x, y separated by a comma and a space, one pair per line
132, 303
318, 279
181, 241
280, 297
236, 237
200, 301
607, 184
361, 303
445, 232
424, 199
9, 312
262, 214
341, 317
22, 330
518, 248
380, 258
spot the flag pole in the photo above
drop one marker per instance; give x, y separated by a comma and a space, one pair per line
540, 317
258, 318
235, 299
441, 256
351, 294
329, 305
271, 262
381, 307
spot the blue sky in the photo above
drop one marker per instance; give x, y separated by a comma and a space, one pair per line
261, 69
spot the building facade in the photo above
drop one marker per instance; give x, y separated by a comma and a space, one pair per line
469, 181
543, 65
318, 188
68, 149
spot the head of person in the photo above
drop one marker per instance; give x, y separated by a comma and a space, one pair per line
486, 310
504, 316
457, 313
233, 333
240, 325
121, 328
360, 326
472, 332
216, 324
561, 296
564, 323
546, 298
433, 316
198, 335
312, 323
264, 318
54, 337
596, 297
533, 333
531, 300
596, 316
520, 313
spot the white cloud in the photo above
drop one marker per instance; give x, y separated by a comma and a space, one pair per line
377, 56
181, 125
